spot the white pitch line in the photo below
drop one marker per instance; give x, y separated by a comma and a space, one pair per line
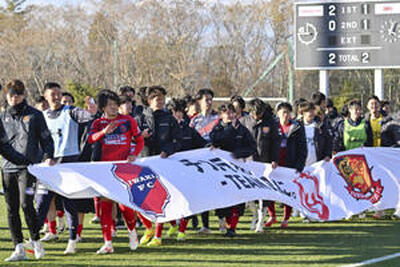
384, 258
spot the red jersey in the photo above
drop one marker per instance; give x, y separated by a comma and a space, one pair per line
282, 153
118, 144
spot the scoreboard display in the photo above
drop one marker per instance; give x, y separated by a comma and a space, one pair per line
347, 34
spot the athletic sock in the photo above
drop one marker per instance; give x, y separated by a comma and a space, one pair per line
106, 219
183, 225
159, 228
53, 227
129, 217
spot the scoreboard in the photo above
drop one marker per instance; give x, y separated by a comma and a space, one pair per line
347, 34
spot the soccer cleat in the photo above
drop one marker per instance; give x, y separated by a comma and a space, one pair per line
71, 247
284, 224
28, 246
78, 238
38, 249
148, 234
17, 255
204, 230
45, 229
49, 237
181, 236
106, 249
172, 230
259, 228
155, 242
95, 220
61, 225
133, 239
270, 221
230, 233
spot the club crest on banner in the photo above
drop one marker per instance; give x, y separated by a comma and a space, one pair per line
357, 174
310, 196
144, 187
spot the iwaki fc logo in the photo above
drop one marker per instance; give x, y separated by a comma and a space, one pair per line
144, 187
355, 171
310, 197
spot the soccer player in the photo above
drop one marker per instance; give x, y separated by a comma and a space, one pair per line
204, 122
115, 132
163, 137
28, 133
292, 154
63, 123
229, 134
264, 128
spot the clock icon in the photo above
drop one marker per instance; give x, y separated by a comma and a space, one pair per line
390, 31
307, 34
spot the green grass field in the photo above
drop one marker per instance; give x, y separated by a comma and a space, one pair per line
313, 244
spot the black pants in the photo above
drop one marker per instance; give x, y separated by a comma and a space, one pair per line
205, 219
19, 189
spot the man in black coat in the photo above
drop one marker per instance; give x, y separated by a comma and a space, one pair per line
230, 135
163, 137
264, 128
28, 133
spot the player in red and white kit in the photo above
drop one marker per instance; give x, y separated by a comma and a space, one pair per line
115, 133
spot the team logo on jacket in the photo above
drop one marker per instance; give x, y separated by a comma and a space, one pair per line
310, 197
144, 187
357, 174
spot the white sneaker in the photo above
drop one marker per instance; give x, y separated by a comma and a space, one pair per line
18, 254
95, 219
38, 249
78, 238
49, 237
61, 225
260, 227
71, 247
106, 249
133, 239
204, 230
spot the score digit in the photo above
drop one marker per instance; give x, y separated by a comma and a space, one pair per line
332, 58
332, 11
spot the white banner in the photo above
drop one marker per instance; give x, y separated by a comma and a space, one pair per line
191, 182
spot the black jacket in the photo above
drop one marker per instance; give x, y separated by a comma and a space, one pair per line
322, 139
8, 152
266, 134
238, 141
296, 146
191, 139
338, 144
390, 132
27, 131
165, 132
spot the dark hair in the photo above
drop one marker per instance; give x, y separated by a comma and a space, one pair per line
39, 99
154, 89
203, 92
345, 110
123, 90
104, 96
258, 106
373, 97
239, 99
177, 104
225, 107
305, 107
297, 103
284, 105
353, 103
14, 87
124, 99
385, 103
68, 94
317, 98
51, 85
329, 103
142, 95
